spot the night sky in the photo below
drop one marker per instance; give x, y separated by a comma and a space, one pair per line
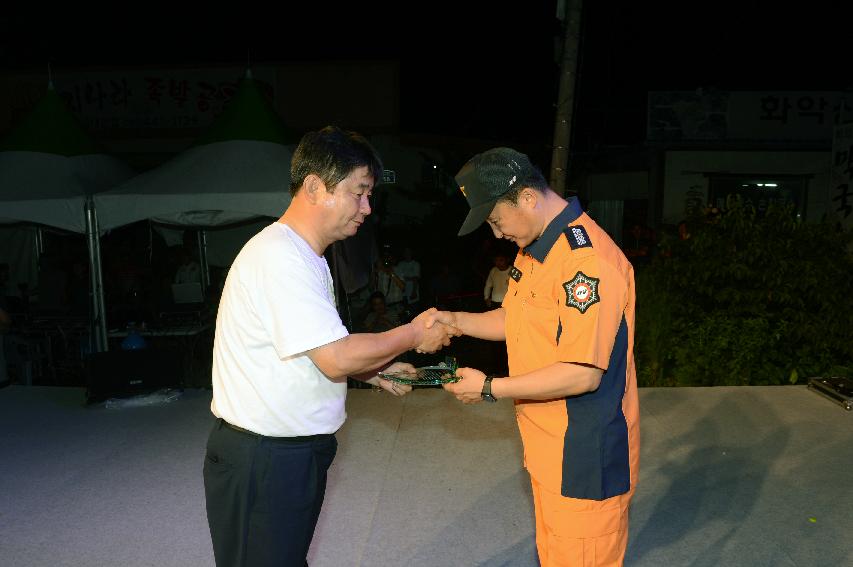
483, 71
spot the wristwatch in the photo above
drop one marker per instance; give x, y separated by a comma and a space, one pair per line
487, 390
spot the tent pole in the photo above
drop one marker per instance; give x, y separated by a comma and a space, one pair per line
98, 307
39, 250
202, 258
39, 242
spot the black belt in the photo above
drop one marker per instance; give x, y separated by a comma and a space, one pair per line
299, 439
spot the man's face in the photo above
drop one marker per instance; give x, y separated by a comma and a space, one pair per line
501, 263
348, 205
513, 222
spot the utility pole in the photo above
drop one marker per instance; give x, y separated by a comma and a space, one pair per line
569, 11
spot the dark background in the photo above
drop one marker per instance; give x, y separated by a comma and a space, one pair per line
478, 69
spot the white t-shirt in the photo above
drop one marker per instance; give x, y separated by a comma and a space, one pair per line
496, 284
278, 302
408, 269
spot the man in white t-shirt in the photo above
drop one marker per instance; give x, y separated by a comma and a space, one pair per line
281, 358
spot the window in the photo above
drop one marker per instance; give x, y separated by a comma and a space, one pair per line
760, 191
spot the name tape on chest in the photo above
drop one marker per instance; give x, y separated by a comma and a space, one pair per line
515, 273
582, 292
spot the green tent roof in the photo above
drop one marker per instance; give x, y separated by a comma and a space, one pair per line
50, 128
248, 116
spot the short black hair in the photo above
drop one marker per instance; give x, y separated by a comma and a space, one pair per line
534, 180
332, 154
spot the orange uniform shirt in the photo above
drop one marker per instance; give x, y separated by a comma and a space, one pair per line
571, 299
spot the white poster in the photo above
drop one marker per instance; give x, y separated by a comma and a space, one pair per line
747, 115
173, 99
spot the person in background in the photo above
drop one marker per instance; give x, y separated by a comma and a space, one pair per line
389, 282
410, 270
497, 281
378, 319
189, 271
444, 285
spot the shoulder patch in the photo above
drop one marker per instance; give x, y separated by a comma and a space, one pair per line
577, 237
582, 292
515, 273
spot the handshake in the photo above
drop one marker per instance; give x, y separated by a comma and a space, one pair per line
433, 329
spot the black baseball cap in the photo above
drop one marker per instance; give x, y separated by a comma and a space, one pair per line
487, 177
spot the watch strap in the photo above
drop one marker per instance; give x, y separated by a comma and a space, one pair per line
487, 389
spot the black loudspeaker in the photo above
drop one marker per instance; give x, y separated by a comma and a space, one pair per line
838, 389
126, 373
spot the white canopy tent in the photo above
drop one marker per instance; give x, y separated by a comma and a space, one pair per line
207, 186
49, 168
238, 170
51, 189
49, 165
45, 189
214, 185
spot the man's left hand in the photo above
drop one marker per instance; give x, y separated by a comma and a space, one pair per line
391, 386
469, 389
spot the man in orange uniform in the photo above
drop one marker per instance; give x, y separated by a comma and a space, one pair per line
568, 323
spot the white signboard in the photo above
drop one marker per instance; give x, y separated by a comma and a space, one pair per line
153, 99
772, 116
786, 115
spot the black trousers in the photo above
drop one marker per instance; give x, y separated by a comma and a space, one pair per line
263, 495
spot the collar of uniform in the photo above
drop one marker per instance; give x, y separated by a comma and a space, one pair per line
540, 247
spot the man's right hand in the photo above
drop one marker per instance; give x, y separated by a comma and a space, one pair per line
432, 331
448, 318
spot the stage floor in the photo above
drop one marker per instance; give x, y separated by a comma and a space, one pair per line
741, 476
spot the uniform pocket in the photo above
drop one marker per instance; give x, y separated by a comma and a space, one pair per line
582, 518
540, 319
